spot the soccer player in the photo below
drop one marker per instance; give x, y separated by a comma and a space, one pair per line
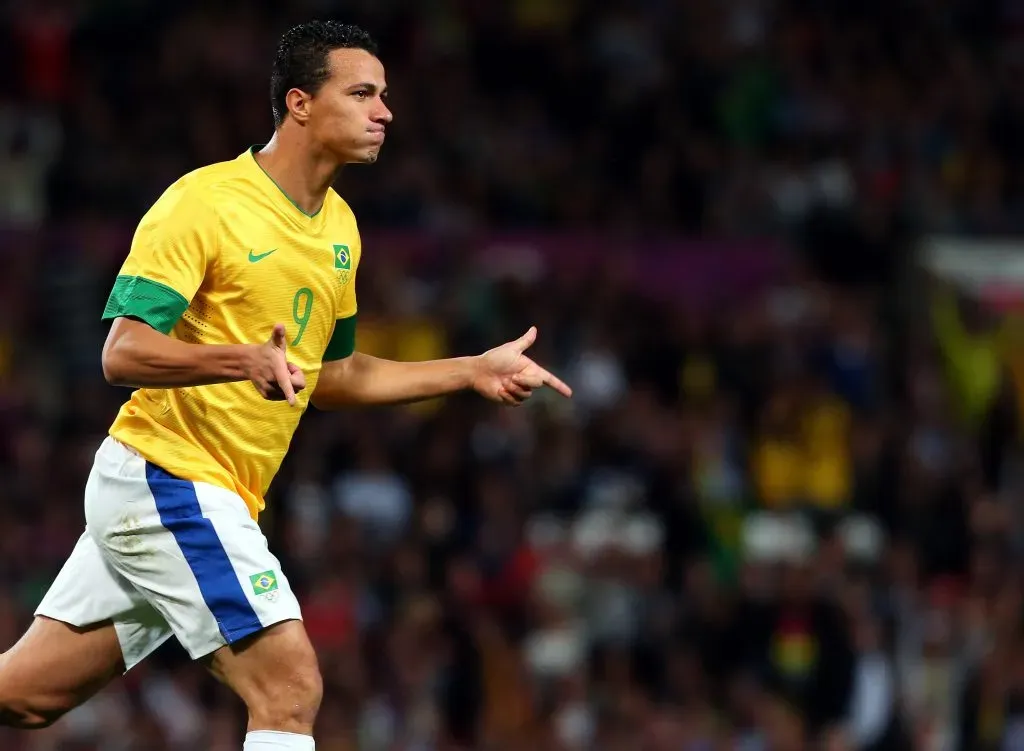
235, 308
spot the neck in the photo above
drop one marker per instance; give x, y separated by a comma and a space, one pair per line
304, 173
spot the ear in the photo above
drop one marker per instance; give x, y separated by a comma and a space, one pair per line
298, 102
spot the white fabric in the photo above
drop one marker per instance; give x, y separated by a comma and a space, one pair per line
873, 700
130, 568
272, 740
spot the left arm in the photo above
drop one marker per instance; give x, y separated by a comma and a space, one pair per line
503, 374
364, 379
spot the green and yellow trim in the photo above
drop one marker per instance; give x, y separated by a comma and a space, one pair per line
153, 303
343, 340
252, 154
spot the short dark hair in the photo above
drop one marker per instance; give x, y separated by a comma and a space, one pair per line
301, 59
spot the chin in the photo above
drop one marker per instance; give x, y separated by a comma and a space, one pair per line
363, 157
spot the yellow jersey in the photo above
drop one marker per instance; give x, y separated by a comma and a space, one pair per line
220, 258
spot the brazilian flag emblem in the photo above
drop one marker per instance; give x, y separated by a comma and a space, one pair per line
342, 258
263, 583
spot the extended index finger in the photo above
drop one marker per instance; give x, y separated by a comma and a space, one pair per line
284, 380
556, 383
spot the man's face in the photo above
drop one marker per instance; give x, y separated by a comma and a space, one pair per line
348, 115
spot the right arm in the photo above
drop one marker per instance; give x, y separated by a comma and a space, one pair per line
172, 249
135, 354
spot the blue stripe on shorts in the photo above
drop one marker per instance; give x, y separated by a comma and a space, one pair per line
182, 516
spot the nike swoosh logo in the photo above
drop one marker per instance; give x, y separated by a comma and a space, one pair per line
253, 257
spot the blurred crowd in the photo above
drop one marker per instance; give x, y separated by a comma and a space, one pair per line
769, 526
782, 520
726, 117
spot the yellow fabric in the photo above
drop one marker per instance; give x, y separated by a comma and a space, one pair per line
827, 472
1011, 341
813, 467
973, 362
777, 472
697, 377
198, 239
828, 477
786, 472
826, 422
795, 654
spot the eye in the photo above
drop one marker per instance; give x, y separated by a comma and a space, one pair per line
361, 94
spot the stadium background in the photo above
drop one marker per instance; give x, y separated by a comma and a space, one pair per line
783, 511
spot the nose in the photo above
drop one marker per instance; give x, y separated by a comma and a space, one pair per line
383, 114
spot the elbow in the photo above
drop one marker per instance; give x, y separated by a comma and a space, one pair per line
328, 393
114, 371
317, 401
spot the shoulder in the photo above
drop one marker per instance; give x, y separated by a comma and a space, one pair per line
343, 222
341, 212
216, 177
196, 195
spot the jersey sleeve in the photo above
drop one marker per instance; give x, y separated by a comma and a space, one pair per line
343, 340
173, 245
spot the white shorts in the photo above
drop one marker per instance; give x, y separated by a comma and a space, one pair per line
163, 556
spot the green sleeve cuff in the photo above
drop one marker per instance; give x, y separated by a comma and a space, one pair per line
343, 340
151, 302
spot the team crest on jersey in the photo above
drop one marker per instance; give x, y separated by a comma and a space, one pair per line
343, 262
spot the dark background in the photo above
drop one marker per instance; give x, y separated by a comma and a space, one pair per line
782, 512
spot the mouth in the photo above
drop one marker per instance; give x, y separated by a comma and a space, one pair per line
377, 136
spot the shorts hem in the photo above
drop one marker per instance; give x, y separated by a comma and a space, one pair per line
204, 650
45, 613
237, 634
129, 656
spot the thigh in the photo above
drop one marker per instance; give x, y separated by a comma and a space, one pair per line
56, 666
193, 552
89, 591
254, 667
